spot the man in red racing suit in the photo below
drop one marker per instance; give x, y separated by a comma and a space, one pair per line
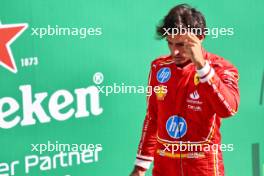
181, 131
200, 104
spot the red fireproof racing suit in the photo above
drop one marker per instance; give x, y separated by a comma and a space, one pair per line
181, 131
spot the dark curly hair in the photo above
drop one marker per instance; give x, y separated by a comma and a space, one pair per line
183, 16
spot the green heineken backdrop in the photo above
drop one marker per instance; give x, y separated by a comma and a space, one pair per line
48, 94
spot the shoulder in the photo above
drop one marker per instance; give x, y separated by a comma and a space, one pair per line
162, 61
222, 66
219, 63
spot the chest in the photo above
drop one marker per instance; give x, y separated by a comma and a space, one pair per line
181, 90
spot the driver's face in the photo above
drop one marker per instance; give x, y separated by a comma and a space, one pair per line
176, 46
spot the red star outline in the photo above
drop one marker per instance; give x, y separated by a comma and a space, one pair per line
12, 32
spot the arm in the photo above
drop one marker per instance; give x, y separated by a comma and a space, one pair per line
148, 140
220, 87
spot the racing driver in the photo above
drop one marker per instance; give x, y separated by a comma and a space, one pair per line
202, 89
